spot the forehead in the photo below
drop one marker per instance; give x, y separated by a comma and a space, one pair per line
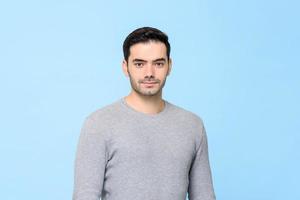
148, 50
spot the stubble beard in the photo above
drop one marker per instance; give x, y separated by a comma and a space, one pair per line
136, 86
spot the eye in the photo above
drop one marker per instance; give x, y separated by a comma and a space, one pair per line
139, 65
159, 64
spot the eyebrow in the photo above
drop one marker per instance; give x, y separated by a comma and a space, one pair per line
141, 60
138, 60
160, 59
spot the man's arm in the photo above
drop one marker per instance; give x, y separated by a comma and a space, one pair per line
90, 161
200, 180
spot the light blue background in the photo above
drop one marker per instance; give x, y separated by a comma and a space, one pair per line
235, 64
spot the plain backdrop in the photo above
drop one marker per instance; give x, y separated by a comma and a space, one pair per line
235, 64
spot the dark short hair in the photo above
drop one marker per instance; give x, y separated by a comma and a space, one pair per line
144, 35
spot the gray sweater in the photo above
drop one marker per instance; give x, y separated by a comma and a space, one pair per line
124, 154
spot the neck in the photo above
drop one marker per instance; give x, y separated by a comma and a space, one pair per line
146, 104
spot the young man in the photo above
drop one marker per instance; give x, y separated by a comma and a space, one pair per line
143, 147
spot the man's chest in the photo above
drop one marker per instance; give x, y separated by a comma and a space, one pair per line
144, 144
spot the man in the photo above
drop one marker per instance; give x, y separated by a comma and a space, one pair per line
143, 147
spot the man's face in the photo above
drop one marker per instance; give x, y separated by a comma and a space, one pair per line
147, 67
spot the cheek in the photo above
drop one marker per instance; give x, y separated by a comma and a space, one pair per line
162, 74
135, 77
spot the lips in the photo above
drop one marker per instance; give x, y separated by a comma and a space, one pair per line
149, 82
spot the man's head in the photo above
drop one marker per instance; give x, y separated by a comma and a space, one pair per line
147, 60
144, 35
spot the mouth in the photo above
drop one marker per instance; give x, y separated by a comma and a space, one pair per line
149, 84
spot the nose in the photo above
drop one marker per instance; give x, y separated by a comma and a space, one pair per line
150, 70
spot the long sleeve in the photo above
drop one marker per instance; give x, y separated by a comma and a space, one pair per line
200, 178
90, 162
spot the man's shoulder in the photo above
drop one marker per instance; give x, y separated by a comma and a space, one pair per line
105, 112
186, 114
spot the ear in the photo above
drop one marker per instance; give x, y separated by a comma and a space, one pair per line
125, 67
170, 66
